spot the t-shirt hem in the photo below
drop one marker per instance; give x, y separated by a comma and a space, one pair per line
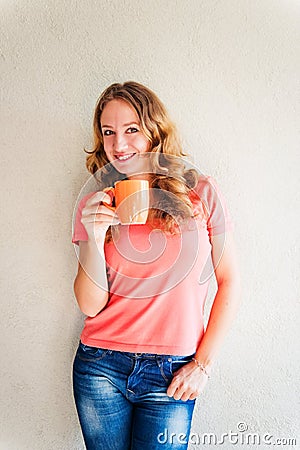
139, 348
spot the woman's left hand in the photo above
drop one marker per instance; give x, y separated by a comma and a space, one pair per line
188, 382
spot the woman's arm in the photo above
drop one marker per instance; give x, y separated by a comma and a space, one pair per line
190, 380
90, 285
226, 301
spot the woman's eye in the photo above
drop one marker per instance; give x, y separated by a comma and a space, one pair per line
107, 133
132, 130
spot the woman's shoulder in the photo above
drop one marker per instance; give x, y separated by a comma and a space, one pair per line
206, 194
204, 184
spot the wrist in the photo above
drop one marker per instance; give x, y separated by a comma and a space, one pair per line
204, 358
96, 243
205, 368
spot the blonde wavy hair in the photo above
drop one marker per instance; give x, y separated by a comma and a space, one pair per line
168, 171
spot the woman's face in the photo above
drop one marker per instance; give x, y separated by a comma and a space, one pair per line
122, 136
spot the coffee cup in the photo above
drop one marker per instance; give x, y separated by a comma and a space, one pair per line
131, 199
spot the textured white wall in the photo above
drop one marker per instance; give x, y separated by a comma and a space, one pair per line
228, 71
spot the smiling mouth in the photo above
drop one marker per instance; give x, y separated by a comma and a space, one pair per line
124, 157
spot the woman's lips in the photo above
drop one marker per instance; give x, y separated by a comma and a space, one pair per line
124, 157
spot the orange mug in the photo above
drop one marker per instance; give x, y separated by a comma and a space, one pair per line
131, 200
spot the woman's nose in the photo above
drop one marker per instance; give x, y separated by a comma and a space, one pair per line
120, 143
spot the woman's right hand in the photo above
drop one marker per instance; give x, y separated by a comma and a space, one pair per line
97, 217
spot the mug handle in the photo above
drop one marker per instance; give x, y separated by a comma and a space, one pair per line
111, 192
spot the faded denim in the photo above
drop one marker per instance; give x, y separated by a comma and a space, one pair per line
122, 403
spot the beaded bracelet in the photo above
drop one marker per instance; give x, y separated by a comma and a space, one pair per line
201, 367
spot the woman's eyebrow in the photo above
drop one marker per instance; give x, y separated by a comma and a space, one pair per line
124, 125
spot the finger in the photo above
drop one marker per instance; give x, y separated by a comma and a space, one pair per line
111, 217
103, 209
107, 209
98, 209
110, 191
171, 389
194, 395
178, 394
183, 391
112, 208
101, 222
98, 219
175, 385
178, 391
98, 197
184, 394
184, 397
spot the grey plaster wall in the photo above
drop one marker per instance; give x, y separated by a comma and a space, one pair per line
228, 71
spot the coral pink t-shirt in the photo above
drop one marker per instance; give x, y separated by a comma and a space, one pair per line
158, 281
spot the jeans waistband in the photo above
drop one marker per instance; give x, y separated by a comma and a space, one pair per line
148, 355
157, 356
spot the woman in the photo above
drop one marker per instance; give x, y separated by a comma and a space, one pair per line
144, 356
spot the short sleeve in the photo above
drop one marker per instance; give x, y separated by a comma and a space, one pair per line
218, 218
79, 231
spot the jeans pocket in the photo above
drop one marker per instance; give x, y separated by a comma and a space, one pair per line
165, 372
171, 364
88, 353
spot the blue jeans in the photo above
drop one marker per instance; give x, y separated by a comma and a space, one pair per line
122, 403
